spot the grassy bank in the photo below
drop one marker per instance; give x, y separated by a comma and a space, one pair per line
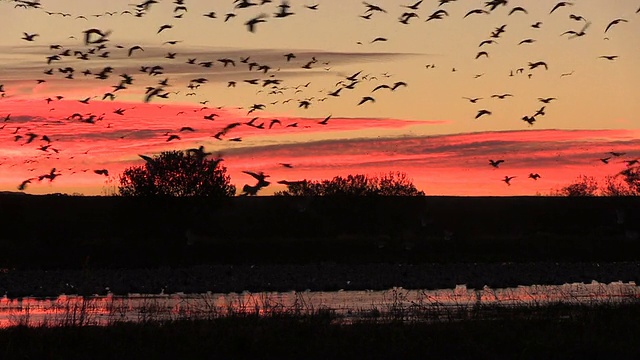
96, 232
553, 332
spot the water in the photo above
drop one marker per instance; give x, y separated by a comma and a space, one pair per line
395, 303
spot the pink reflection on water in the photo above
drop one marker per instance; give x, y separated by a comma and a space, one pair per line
350, 305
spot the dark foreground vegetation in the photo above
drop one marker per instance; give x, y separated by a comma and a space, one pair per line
550, 332
69, 232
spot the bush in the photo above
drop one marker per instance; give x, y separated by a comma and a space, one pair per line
177, 173
582, 186
391, 184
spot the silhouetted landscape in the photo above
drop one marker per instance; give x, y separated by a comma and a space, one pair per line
319, 180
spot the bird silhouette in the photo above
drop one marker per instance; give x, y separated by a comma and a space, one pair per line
164, 27
133, 48
534, 176
559, 5
29, 37
495, 163
482, 112
476, 11
614, 22
507, 179
104, 172
251, 24
366, 99
518, 9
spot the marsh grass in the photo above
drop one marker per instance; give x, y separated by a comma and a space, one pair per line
551, 332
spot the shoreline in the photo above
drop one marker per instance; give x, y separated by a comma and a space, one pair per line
315, 277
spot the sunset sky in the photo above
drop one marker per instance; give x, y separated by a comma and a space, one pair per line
426, 128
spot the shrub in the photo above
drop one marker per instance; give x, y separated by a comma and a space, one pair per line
177, 173
390, 184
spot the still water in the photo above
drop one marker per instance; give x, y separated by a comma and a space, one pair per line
396, 303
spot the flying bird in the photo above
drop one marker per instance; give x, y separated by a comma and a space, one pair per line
614, 22
483, 112
518, 8
104, 172
365, 99
559, 5
507, 179
251, 24
133, 48
29, 37
476, 11
164, 27
495, 163
379, 39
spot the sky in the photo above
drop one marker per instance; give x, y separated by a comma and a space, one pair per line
426, 127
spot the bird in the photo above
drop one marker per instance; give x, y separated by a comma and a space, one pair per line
608, 57
537, 64
559, 5
51, 175
616, 154
379, 39
482, 53
133, 48
476, 11
164, 27
518, 8
546, 100
104, 172
482, 112
251, 24
260, 176
614, 22
29, 37
534, 176
526, 41
472, 100
605, 160
507, 179
577, 17
365, 99
495, 163
23, 185
415, 6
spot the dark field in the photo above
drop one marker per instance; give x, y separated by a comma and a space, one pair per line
81, 245
64, 232
84, 245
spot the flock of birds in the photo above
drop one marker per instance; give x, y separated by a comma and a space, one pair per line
95, 44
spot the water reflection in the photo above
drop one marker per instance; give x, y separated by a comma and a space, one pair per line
395, 303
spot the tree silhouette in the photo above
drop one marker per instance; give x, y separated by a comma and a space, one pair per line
582, 186
631, 176
177, 173
391, 184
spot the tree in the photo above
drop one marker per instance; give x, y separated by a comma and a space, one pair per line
391, 184
631, 177
582, 186
177, 173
